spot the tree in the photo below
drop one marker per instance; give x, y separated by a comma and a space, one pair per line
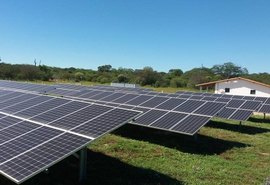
229, 70
177, 82
147, 76
79, 76
29, 72
198, 75
105, 68
122, 78
175, 72
46, 72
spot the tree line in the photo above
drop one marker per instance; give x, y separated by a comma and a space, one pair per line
146, 76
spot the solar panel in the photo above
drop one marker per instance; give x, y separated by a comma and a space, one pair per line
209, 108
124, 99
158, 100
101, 95
262, 99
105, 123
196, 97
16, 128
265, 109
7, 121
191, 124
90, 94
249, 98
27, 147
59, 112
41, 108
225, 100
168, 120
206, 98
25, 142
113, 97
241, 115
267, 101
189, 106
171, 104
154, 102
31, 162
250, 105
226, 113
185, 96
15, 107
79, 117
10, 96
237, 97
149, 117
138, 100
235, 103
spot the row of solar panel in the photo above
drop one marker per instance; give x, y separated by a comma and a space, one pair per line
70, 88
158, 102
25, 86
179, 106
58, 112
264, 108
235, 109
183, 111
122, 98
65, 89
29, 126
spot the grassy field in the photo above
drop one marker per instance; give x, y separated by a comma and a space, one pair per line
224, 153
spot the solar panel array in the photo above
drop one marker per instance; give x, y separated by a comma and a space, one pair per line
37, 131
100, 93
246, 104
162, 112
25, 86
237, 108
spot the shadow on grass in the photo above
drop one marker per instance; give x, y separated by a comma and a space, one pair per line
101, 170
237, 128
259, 120
202, 145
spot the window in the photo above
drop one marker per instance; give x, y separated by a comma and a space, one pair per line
227, 90
252, 91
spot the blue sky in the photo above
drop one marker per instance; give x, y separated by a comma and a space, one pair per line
163, 34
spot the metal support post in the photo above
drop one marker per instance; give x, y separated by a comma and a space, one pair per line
195, 136
83, 165
264, 117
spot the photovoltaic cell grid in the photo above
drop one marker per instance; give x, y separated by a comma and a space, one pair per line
25, 86
36, 131
152, 102
244, 105
97, 93
250, 106
237, 108
157, 109
108, 94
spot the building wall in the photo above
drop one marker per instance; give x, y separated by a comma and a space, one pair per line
242, 87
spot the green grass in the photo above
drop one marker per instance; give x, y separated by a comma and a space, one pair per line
224, 153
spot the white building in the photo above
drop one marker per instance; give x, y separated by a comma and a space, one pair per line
238, 86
